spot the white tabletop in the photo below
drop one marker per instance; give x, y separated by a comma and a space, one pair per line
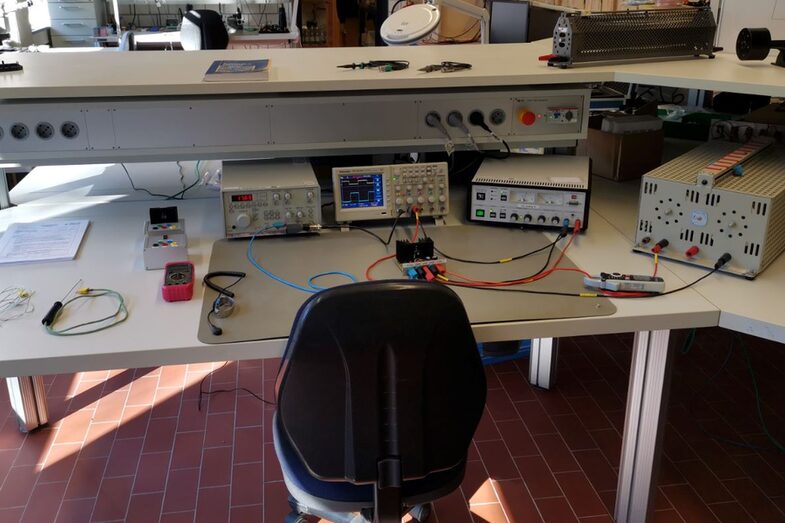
158, 333
753, 307
162, 73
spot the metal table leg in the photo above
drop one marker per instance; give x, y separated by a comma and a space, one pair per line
542, 362
647, 401
28, 399
5, 198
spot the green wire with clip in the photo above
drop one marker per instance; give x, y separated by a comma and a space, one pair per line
119, 315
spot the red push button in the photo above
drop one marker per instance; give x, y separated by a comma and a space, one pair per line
527, 117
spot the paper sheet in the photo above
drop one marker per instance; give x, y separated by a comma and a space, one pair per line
51, 240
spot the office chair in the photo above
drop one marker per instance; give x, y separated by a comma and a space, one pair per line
203, 29
379, 393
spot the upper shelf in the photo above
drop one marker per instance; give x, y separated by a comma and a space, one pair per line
163, 73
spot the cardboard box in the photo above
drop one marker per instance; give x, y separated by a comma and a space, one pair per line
624, 156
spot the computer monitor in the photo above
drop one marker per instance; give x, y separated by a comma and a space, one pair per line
509, 21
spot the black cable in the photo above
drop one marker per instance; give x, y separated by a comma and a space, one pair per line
494, 262
616, 294
502, 156
176, 196
673, 291
472, 163
135, 188
396, 5
368, 231
203, 392
133, 18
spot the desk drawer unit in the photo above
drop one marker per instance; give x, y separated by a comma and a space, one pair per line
72, 41
72, 10
73, 27
72, 23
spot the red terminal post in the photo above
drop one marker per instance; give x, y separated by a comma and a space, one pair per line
546, 57
660, 246
441, 268
429, 276
692, 251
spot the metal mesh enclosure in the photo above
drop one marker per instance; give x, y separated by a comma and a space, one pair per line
633, 35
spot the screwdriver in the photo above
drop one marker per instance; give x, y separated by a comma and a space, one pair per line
50, 316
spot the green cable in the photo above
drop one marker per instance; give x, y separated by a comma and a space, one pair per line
689, 341
758, 401
120, 315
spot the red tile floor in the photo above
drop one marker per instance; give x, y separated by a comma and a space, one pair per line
131, 445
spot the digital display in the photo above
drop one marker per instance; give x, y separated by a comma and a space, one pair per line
242, 197
361, 190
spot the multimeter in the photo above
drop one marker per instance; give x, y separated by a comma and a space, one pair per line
178, 281
625, 282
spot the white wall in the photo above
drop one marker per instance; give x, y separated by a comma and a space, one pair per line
737, 14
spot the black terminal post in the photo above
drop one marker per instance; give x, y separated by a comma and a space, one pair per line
756, 44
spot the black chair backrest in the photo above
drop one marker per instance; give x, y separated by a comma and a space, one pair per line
213, 31
380, 369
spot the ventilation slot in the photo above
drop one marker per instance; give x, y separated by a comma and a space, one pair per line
693, 196
753, 249
760, 208
712, 199
687, 235
649, 188
706, 239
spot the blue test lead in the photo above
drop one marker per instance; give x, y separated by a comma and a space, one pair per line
312, 288
56, 306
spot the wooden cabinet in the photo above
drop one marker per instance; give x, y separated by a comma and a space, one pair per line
319, 25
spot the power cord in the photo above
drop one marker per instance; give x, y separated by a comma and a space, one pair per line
476, 118
203, 392
384, 242
432, 119
778, 446
176, 196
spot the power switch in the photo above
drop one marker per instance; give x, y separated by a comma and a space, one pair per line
527, 117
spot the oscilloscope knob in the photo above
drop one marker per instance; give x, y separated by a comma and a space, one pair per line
242, 220
420, 199
431, 199
410, 200
309, 195
300, 214
276, 196
442, 198
288, 214
287, 196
